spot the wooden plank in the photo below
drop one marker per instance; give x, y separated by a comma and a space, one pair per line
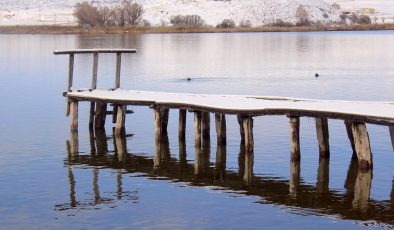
294, 125
220, 120
90, 51
118, 66
323, 136
74, 115
206, 126
362, 145
182, 124
70, 72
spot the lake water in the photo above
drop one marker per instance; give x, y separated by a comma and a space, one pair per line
115, 182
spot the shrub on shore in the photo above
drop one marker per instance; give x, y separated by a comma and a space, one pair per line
226, 23
194, 21
125, 14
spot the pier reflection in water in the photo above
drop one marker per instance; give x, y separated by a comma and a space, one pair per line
355, 203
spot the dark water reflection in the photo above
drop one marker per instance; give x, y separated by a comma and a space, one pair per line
303, 199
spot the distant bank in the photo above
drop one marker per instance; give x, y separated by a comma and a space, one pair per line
142, 30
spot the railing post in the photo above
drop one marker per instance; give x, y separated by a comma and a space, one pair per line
93, 86
70, 71
118, 65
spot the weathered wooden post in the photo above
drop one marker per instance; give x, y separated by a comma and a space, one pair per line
221, 152
249, 148
206, 126
70, 71
120, 120
74, 114
220, 120
118, 66
241, 128
158, 126
197, 127
197, 142
93, 86
362, 145
348, 125
294, 125
323, 175
392, 135
323, 136
182, 125
100, 115
295, 174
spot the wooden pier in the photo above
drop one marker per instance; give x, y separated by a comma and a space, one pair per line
354, 113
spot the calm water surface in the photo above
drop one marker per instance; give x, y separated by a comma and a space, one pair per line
120, 183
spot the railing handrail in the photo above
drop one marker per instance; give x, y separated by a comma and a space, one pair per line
92, 51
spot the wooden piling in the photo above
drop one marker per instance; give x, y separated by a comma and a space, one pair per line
249, 148
392, 135
362, 145
120, 145
348, 125
120, 120
206, 126
220, 121
294, 125
118, 65
100, 115
73, 144
241, 128
182, 125
197, 127
158, 118
323, 136
74, 114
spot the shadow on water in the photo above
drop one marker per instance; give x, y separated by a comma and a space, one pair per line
303, 199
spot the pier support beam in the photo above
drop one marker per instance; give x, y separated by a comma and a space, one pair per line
392, 135
323, 175
348, 125
362, 145
101, 113
182, 125
294, 125
362, 191
197, 128
323, 136
74, 115
220, 120
241, 128
295, 174
161, 122
120, 119
249, 148
206, 126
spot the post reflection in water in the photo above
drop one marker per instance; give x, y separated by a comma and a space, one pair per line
316, 198
295, 173
323, 174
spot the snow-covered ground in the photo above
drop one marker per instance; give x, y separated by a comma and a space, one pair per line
259, 12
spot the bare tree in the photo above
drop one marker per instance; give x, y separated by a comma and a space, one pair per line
187, 20
226, 23
302, 16
87, 14
128, 13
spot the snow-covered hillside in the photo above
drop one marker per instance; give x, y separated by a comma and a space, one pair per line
259, 12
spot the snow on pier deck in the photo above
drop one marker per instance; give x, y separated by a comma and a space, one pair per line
361, 111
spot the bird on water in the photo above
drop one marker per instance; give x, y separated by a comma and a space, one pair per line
189, 79
317, 75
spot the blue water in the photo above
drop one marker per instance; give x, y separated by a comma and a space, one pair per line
35, 170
